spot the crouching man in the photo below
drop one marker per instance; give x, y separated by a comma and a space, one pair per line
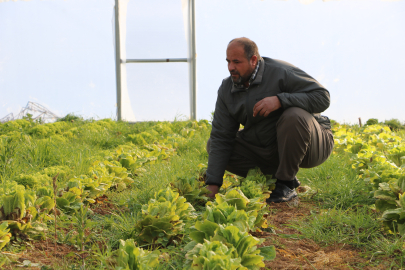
279, 106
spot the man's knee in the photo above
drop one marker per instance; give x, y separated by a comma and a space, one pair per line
294, 116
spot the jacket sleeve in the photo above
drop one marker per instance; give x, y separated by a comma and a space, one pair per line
303, 91
223, 134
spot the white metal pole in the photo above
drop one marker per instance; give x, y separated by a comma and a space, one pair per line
118, 60
193, 62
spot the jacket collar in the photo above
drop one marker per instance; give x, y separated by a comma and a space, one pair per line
259, 74
257, 80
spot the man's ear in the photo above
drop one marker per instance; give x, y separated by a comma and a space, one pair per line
253, 60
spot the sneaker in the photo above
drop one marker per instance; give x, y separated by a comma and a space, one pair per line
292, 184
281, 193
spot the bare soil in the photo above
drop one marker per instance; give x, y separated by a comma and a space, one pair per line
293, 252
42, 252
104, 207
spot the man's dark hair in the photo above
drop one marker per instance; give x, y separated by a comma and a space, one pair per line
249, 46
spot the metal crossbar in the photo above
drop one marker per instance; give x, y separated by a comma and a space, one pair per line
154, 60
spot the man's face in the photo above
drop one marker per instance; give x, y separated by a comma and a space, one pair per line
240, 68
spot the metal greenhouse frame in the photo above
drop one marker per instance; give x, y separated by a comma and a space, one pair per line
191, 59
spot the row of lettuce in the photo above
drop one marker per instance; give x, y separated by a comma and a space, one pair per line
378, 155
217, 236
27, 201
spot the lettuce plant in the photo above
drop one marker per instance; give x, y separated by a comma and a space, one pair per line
131, 257
69, 202
33, 180
251, 189
4, 235
191, 189
243, 245
391, 200
212, 255
162, 220
264, 182
246, 247
225, 214
255, 207
13, 205
19, 208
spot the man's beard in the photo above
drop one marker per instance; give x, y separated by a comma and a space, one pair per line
241, 79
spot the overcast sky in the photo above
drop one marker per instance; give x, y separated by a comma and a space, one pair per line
60, 53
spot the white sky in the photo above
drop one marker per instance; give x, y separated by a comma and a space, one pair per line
61, 55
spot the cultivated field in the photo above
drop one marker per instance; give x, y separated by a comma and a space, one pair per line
84, 194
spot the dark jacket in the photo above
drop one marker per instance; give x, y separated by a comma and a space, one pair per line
234, 106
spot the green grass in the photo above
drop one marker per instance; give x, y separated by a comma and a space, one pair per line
342, 213
330, 226
336, 184
26, 153
160, 175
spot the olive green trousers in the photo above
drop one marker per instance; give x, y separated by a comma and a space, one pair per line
301, 143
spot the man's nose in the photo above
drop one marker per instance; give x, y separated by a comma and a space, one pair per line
231, 66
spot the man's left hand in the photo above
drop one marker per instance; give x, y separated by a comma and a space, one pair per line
265, 106
213, 190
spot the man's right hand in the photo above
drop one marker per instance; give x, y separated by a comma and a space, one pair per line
214, 190
265, 106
